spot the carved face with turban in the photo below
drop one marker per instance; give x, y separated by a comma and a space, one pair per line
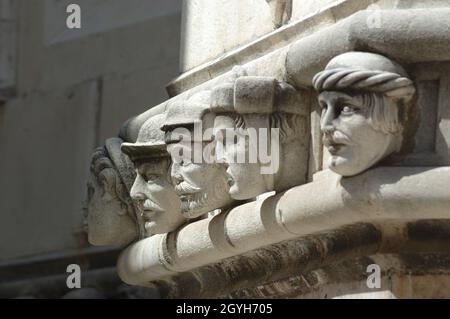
363, 98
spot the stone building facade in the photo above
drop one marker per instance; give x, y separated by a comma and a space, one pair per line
62, 93
353, 97
358, 91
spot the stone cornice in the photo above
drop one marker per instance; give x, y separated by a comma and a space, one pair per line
379, 195
266, 44
407, 35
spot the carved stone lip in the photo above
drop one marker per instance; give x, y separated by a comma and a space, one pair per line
334, 148
148, 214
149, 210
230, 179
184, 191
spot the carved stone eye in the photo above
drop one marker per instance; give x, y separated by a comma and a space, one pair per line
346, 110
151, 177
185, 162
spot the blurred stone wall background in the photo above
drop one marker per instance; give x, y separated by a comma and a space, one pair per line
62, 92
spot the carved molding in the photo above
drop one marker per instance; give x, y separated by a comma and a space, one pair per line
400, 194
402, 36
379, 95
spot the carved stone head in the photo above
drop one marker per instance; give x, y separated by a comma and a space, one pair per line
111, 218
364, 99
200, 182
261, 124
152, 191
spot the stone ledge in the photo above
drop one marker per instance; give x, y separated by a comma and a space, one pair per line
383, 194
409, 36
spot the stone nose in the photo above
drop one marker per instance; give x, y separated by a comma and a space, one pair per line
177, 179
328, 117
176, 176
137, 191
221, 156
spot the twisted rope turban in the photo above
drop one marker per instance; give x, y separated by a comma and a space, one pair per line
389, 83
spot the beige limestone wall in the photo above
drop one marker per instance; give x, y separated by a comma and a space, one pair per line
72, 94
303, 8
213, 27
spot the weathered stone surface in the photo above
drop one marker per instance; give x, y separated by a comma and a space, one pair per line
365, 99
266, 44
53, 121
8, 38
302, 8
308, 56
154, 195
110, 214
212, 27
380, 78
341, 202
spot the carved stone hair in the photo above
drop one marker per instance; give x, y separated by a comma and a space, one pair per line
389, 83
290, 125
108, 177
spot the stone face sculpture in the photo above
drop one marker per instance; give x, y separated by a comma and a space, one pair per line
268, 120
111, 218
331, 227
201, 184
365, 99
153, 192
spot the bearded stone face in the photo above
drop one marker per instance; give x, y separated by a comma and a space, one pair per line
202, 187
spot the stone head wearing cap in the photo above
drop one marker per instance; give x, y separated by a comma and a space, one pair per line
111, 217
199, 180
261, 124
365, 99
152, 190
